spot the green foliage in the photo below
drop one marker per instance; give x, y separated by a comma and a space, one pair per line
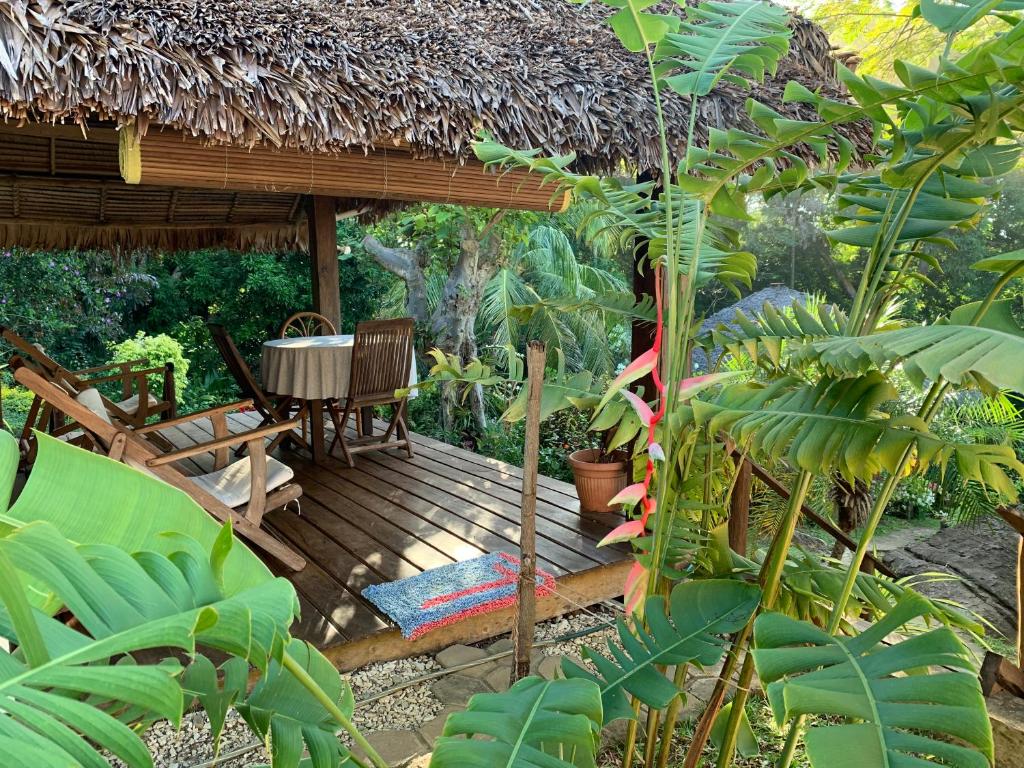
835, 426
535, 724
889, 713
72, 303
60, 691
689, 631
157, 350
16, 403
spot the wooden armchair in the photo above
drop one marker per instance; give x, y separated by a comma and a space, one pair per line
241, 491
381, 356
273, 409
137, 404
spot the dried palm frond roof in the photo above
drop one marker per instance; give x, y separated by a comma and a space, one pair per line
320, 75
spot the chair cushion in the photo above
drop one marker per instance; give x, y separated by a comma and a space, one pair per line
92, 400
131, 405
232, 486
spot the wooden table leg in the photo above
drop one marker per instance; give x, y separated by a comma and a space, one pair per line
366, 414
316, 430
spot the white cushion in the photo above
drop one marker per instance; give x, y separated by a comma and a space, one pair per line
92, 400
232, 486
131, 405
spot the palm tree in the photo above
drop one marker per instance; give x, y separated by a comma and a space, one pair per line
545, 292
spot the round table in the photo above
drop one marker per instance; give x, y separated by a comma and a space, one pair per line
314, 369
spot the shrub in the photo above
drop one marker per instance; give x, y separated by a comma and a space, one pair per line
157, 350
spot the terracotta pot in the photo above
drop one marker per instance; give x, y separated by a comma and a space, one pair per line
597, 483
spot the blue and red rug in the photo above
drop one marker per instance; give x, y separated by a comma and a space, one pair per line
443, 596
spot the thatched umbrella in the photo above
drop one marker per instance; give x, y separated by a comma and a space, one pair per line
323, 75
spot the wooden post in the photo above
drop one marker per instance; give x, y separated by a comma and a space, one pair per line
739, 506
526, 604
323, 252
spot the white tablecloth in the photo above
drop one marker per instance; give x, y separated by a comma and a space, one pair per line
311, 367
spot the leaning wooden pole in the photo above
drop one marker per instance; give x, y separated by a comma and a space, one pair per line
526, 605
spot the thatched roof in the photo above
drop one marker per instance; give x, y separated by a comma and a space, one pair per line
320, 75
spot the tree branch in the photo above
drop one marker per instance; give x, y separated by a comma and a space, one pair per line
406, 264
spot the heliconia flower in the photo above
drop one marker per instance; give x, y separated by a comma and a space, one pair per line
691, 386
635, 588
656, 452
643, 410
624, 532
629, 495
637, 369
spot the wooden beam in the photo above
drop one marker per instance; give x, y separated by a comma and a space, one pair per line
526, 603
574, 591
323, 252
168, 158
739, 507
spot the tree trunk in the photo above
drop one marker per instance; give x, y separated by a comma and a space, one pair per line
452, 324
853, 504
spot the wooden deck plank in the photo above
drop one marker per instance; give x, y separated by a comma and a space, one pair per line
332, 579
549, 545
392, 517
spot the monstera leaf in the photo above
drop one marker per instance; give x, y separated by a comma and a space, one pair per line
534, 724
62, 699
891, 710
284, 711
700, 614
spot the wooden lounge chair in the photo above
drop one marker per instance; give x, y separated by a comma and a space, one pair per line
381, 356
307, 324
273, 409
137, 404
241, 491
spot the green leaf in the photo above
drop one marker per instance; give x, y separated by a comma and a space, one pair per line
835, 426
124, 604
285, 711
535, 724
957, 352
736, 40
957, 15
700, 614
892, 709
746, 740
1002, 263
637, 30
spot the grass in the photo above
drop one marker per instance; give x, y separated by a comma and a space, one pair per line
769, 739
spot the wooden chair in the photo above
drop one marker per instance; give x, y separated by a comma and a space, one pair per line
242, 491
273, 409
381, 356
307, 324
137, 404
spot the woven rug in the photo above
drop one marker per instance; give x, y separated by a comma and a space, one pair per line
443, 596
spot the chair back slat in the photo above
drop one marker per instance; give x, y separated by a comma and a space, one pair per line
381, 357
307, 324
238, 368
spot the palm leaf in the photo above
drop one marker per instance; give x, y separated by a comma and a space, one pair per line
737, 41
959, 353
59, 693
700, 614
892, 713
535, 724
835, 426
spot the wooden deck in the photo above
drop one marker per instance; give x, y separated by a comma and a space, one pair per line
393, 517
